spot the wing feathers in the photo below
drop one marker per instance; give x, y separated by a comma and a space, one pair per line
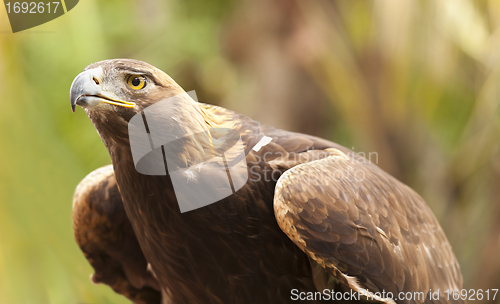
359, 224
106, 238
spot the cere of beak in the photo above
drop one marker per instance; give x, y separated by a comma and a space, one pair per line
86, 91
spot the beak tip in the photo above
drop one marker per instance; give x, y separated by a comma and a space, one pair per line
82, 84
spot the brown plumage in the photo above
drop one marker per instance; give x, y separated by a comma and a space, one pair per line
295, 225
108, 241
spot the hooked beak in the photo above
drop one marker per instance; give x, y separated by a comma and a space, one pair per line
86, 90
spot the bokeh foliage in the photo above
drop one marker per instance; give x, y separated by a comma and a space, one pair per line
415, 81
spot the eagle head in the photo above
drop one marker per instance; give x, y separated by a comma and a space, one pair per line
121, 87
113, 91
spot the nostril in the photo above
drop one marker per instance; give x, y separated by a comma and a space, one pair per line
95, 80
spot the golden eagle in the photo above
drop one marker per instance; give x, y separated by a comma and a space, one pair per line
296, 231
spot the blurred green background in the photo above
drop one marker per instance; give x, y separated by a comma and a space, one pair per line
417, 82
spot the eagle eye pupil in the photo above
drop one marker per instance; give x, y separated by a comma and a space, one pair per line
136, 82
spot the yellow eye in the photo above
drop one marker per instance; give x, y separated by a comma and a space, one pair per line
136, 82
